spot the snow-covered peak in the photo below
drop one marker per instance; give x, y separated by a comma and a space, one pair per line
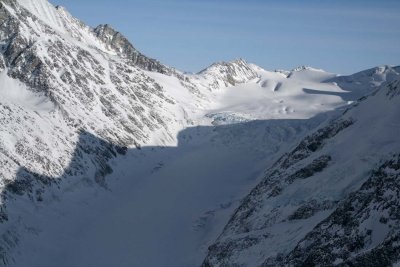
284, 72
222, 66
115, 41
378, 74
39, 17
309, 73
368, 80
118, 43
224, 74
302, 68
106, 31
44, 11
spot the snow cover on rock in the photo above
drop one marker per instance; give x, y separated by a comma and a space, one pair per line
131, 158
13, 92
331, 199
43, 10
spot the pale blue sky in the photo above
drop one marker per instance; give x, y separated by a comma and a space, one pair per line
341, 36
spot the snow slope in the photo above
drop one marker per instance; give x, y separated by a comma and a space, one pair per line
43, 10
169, 202
128, 156
274, 96
265, 95
323, 201
13, 92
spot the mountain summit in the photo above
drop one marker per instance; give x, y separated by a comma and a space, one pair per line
117, 42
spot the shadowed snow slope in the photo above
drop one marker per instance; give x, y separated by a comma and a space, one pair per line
171, 201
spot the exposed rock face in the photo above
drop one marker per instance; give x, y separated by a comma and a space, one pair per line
393, 88
253, 221
78, 82
326, 202
117, 42
362, 231
225, 74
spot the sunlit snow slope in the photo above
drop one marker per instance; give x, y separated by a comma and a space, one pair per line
111, 158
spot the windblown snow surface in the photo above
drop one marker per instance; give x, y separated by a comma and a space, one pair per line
205, 141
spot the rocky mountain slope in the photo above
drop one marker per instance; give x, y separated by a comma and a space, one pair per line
72, 79
331, 200
60, 79
84, 117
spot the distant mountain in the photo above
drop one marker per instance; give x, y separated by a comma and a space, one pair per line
90, 124
224, 74
368, 79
